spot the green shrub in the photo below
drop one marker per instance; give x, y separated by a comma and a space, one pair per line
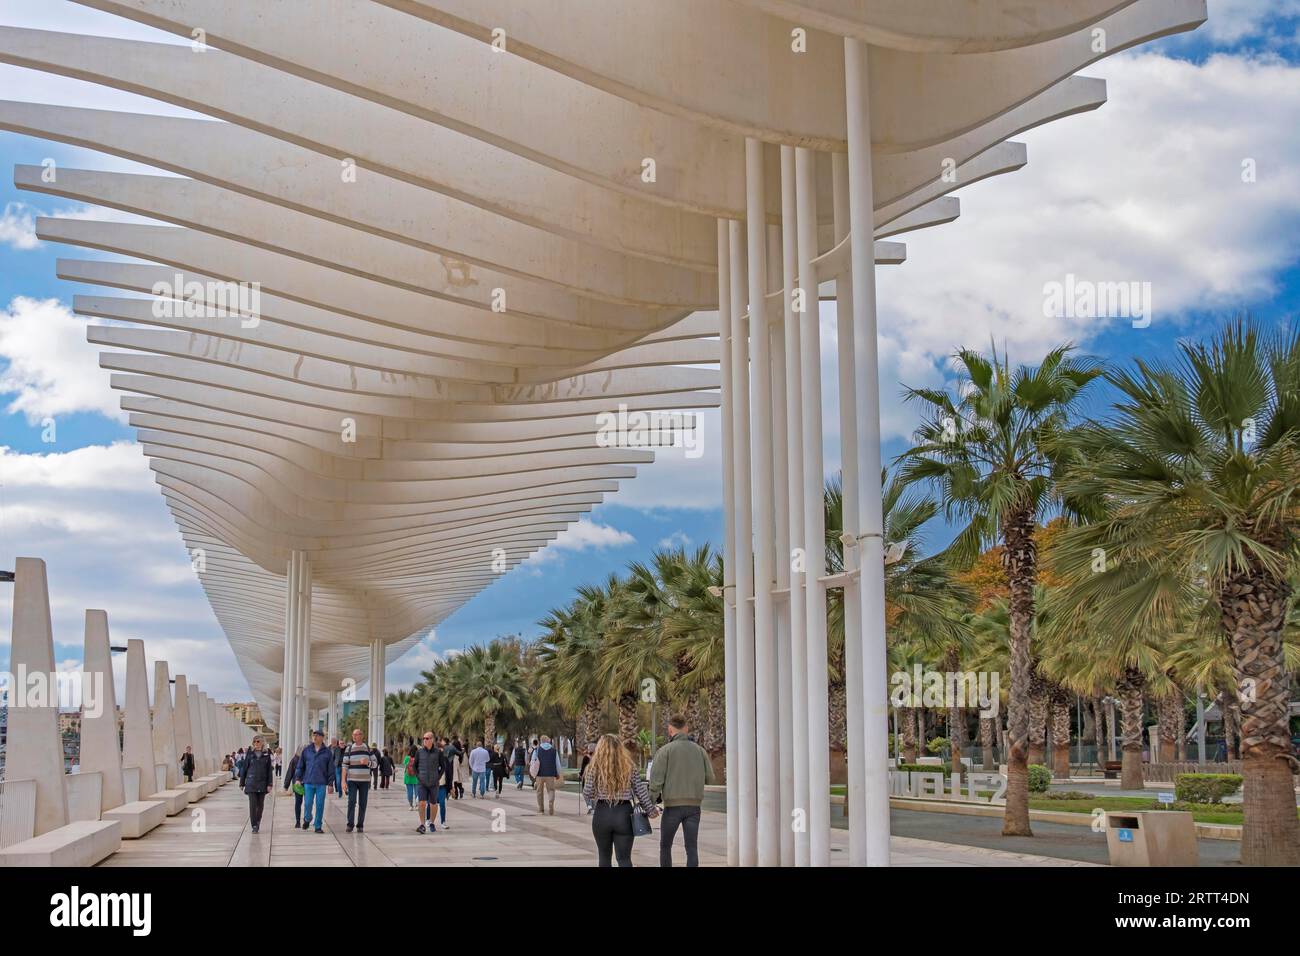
1040, 778
944, 768
937, 746
1067, 795
1206, 787
1220, 808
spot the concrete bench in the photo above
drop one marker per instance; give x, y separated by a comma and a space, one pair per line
83, 843
173, 801
209, 782
137, 818
194, 792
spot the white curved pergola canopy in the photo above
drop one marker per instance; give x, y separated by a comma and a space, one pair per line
475, 226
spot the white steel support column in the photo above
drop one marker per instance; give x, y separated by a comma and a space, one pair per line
746, 738
767, 719
871, 544
819, 778
797, 661
781, 511
307, 715
377, 693
289, 678
856, 769
726, 412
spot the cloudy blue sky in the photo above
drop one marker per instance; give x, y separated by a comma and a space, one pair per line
1148, 189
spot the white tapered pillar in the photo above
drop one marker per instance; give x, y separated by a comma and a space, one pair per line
303, 706
871, 543
796, 836
818, 820
767, 724
101, 751
727, 415
196, 730
289, 674
137, 731
746, 738
164, 729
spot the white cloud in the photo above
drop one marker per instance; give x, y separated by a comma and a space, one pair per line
95, 517
18, 226
584, 534
678, 539
52, 370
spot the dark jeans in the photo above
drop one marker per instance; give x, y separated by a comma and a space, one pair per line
255, 801
358, 793
611, 825
688, 818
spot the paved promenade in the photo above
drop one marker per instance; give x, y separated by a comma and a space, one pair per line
505, 832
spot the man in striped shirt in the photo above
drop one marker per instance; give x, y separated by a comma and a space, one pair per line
358, 759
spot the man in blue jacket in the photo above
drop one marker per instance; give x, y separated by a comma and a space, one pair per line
316, 774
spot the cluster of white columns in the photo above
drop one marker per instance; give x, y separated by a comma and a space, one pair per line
295, 690
777, 669
378, 691
153, 737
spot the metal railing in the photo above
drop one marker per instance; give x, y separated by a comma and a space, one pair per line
17, 811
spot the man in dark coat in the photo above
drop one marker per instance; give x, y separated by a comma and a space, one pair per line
255, 776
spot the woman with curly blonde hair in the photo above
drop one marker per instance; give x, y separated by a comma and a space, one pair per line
611, 785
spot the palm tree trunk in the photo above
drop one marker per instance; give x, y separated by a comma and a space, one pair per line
717, 720
988, 729
693, 714
1099, 729
1169, 715
1254, 604
907, 727
1020, 563
838, 717
589, 723
1129, 693
627, 716
956, 718
490, 728
1060, 732
1040, 713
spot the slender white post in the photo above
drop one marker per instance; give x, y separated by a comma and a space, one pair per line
856, 768
304, 642
797, 661
727, 413
767, 725
819, 778
376, 721
289, 677
871, 543
781, 457
746, 739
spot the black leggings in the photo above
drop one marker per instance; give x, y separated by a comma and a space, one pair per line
611, 825
255, 801
498, 775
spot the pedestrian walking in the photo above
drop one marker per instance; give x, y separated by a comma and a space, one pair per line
277, 757
358, 773
255, 780
291, 783
452, 759
458, 783
545, 769
496, 767
478, 769
678, 775
336, 755
409, 778
429, 769
187, 764
612, 787
519, 762
374, 767
315, 771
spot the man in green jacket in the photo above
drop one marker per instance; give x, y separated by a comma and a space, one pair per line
678, 775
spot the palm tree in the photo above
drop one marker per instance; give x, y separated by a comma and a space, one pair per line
631, 652
689, 627
569, 658
1197, 482
994, 452
484, 682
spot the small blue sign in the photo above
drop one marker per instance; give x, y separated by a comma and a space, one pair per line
1165, 797
1125, 836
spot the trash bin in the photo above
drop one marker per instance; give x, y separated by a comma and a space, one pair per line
1151, 838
